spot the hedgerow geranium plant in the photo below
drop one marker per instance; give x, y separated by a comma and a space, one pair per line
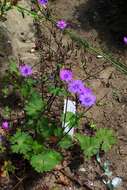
35, 133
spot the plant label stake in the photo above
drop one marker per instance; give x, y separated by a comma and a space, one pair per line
69, 106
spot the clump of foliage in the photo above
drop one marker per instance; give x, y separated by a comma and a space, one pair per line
102, 140
39, 138
41, 158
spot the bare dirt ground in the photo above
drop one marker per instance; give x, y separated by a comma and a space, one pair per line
110, 86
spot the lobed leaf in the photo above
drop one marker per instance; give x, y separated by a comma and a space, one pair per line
45, 161
21, 142
89, 145
34, 105
66, 142
106, 138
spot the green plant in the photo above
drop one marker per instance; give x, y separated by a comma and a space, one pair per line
40, 138
102, 141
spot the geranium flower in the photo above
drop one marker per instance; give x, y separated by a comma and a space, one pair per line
5, 125
61, 24
75, 86
25, 70
87, 99
85, 90
43, 2
65, 75
125, 39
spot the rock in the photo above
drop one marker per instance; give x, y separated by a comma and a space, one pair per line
99, 56
116, 182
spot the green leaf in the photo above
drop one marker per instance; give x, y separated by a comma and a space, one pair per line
34, 105
26, 88
37, 148
6, 112
30, 82
43, 128
5, 91
58, 132
57, 91
45, 161
106, 138
93, 126
89, 145
21, 142
8, 7
2, 148
66, 142
33, 14
13, 68
71, 119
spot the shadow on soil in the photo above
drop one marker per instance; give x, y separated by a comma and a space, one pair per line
5, 47
108, 18
77, 158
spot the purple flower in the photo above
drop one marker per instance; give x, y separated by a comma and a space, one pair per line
65, 75
25, 70
61, 24
85, 90
43, 2
87, 99
125, 39
75, 86
5, 125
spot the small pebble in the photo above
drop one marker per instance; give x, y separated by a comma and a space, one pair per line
32, 50
82, 170
99, 56
116, 182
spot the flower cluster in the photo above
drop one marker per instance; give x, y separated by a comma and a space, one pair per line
86, 96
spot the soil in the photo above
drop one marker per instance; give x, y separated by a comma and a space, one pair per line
109, 85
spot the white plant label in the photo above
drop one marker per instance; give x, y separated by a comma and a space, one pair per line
69, 106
